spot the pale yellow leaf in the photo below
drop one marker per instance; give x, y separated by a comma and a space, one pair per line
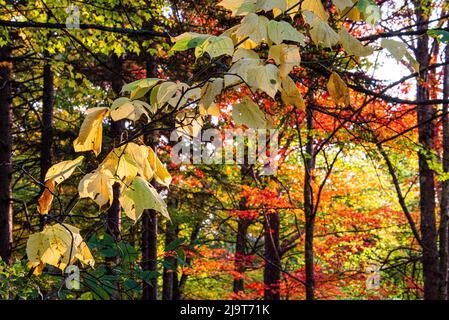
254, 27
286, 56
90, 135
97, 186
239, 7
239, 71
338, 90
315, 6
265, 78
140, 195
282, 31
124, 108
342, 4
249, 114
242, 53
321, 32
161, 173
399, 51
63, 170
352, 45
290, 94
57, 245
210, 91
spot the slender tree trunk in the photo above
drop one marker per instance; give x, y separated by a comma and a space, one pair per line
149, 252
426, 130
272, 272
240, 245
113, 222
47, 121
47, 126
149, 226
309, 210
169, 267
114, 214
5, 156
444, 205
240, 254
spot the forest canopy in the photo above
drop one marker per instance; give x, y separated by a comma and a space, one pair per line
234, 149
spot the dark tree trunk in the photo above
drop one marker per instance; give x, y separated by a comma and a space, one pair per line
272, 268
426, 130
47, 121
149, 252
308, 210
47, 127
169, 263
149, 226
5, 156
444, 205
114, 217
113, 222
240, 253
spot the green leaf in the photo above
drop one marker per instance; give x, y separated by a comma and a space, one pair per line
441, 35
188, 40
139, 88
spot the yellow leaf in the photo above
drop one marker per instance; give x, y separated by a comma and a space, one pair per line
242, 53
57, 245
239, 71
239, 7
63, 170
213, 110
268, 5
119, 164
161, 173
254, 27
399, 51
249, 114
188, 124
140, 196
139, 155
210, 90
321, 32
338, 90
281, 31
215, 47
290, 94
90, 135
46, 198
352, 45
264, 78
97, 185
342, 4
124, 108
316, 7
286, 56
